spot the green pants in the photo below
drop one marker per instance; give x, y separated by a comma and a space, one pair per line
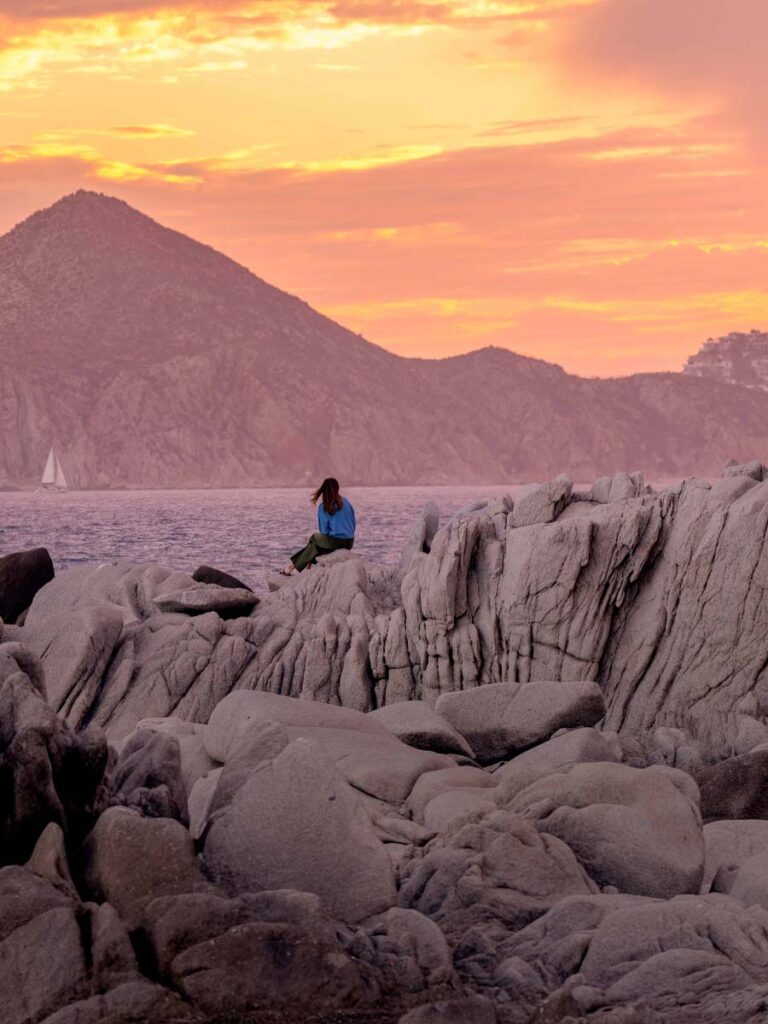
319, 544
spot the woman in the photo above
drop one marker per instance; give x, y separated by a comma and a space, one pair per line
336, 527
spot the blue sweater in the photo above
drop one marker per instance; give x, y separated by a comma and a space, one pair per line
341, 524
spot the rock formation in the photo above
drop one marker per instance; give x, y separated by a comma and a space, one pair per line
737, 358
517, 777
658, 598
148, 359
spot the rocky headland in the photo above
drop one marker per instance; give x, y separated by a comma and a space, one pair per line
737, 358
519, 777
149, 360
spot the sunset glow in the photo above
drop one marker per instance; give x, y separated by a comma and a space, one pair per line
579, 180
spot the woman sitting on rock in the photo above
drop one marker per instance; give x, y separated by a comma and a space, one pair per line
336, 527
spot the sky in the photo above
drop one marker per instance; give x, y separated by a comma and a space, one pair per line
579, 180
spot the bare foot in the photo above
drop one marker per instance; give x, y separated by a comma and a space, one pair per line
287, 569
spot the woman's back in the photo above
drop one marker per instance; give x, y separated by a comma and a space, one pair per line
340, 523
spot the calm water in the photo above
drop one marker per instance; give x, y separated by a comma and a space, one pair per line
246, 532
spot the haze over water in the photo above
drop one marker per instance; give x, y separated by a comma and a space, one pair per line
249, 533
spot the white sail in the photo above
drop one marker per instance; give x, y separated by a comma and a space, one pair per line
53, 474
60, 480
49, 473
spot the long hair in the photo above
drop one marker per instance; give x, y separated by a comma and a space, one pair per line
328, 491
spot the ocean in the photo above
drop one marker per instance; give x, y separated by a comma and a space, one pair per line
249, 533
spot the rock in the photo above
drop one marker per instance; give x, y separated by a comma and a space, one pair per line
446, 808
21, 576
195, 761
676, 748
422, 534
736, 788
500, 719
727, 845
42, 966
636, 829
75, 648
49, 860
137, 1002
754, 470
55, 951
541, 503
131, 589
366, 753
433, 784
411, 953
419, 725
262, 743
268, 965
320, 838
576, 746
273, 949
148, 777
690, 958
200, 801
468, 1010
207, 574
130, 860
496, 870
207, 598
50, 774
749, 884
619, 487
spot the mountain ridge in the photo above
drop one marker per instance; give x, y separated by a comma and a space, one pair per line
151, 359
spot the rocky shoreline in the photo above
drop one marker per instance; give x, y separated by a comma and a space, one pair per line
518, 778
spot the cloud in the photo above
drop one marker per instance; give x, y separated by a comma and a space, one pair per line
150, 131
709, 51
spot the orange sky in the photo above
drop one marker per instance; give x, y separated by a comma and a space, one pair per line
580, 180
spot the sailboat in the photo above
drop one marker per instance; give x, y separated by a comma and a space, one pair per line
53, 474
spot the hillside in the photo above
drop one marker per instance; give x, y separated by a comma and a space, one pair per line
152, 360
737, 358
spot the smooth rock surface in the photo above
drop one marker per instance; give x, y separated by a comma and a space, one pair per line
130, 860
501, 719
637, 829
414, 722
319, 838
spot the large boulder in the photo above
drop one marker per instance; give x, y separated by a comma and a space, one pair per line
365, 752
195, 762
502, 718
22, 574
75, 648
727, 845
271, 950
735, 788
131, 860
320, 838
416, 723
574, 746
637, 829
692, 958
50, 774
207, 597
541, 503
750, 880
435, 784
148, 776
55, 951
136, 1002
492, 871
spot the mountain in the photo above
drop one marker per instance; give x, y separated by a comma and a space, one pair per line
737, 358
149, 359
